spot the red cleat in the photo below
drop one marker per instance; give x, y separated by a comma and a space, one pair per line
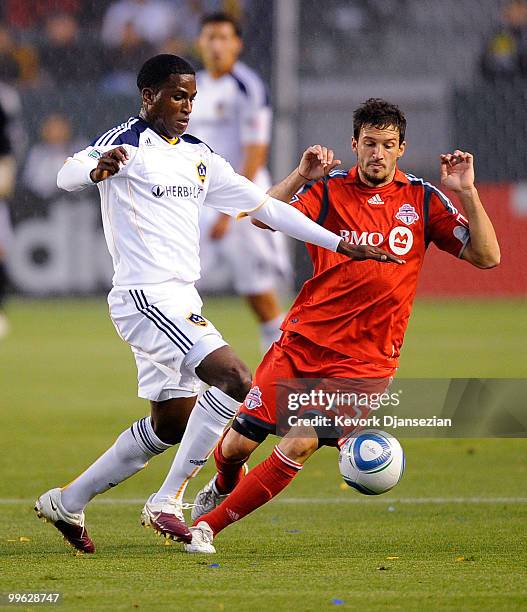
166, 519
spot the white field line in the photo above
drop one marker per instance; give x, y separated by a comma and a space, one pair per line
320, 500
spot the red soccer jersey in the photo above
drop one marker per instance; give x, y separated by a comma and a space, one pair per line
361, 308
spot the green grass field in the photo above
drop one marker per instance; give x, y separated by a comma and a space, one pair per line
451, 536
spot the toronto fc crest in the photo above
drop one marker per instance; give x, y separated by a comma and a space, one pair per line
407, 214
253, 399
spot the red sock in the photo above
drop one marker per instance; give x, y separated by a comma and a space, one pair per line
260, 485
229, 472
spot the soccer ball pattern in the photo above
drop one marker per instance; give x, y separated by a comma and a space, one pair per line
371, 462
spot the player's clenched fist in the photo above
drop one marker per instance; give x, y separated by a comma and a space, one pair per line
109, 164
363, 252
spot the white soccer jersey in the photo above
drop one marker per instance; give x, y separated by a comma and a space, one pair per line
231, 112
151, 207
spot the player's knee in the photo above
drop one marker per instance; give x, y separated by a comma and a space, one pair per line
299, 449
236, 447
167, 431
169, 418
167, 435
236, 381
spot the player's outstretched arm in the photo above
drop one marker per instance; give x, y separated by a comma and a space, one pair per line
235, 195
316, 162
457, 175
287, 219
83, 170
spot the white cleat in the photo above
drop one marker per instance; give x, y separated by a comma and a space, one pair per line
49, 508
167, 519
208, 498
202, 537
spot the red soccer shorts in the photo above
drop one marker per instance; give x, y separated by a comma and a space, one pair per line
296, 357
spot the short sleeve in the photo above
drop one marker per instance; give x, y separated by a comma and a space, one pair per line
447, 228
256, 115
309, 200
126, 135
231, 193
256, 124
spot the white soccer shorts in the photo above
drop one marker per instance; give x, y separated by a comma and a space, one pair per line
258, 260
167, 334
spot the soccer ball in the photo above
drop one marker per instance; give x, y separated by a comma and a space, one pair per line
371, 461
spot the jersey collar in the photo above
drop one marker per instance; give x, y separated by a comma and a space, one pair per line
172, 141
353, 177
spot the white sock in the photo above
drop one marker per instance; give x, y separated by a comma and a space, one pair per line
213, 410
130, 453
270, 332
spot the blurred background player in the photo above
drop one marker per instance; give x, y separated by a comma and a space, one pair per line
232, 114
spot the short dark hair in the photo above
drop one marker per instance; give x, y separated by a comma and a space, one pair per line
380, 114
220, 17
156, 70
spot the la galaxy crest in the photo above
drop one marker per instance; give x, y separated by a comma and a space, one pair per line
202, 171
197, 319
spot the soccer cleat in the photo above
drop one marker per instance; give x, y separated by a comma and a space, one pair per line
166, 519
209, 498
202, 537
49, 508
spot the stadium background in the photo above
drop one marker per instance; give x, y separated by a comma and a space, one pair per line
450, 535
